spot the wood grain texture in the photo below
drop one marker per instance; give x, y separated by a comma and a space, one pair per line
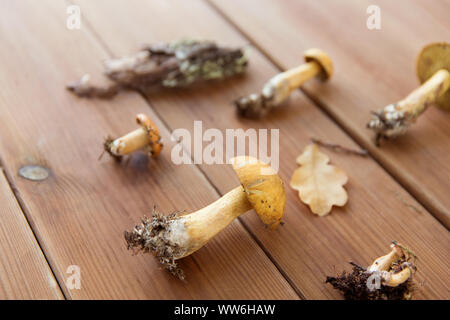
24, 272
306, 248
80, 212
373, 69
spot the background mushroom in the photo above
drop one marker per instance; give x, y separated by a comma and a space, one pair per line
277, 89
433, 67
146, 137
177, 236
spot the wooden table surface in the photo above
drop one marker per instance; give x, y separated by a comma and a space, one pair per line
78, 214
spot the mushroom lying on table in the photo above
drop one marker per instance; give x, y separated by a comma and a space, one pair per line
389, 277
146, 137
433, 67
177, 236
277, 89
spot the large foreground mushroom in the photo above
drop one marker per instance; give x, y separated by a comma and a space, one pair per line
433, 67
175, 236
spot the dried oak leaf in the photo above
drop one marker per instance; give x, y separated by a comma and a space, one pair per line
319, 184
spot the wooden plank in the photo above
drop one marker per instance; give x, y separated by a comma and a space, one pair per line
80, 212
306, 248
373, 69
24, 272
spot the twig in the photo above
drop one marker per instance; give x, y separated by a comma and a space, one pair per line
339, 148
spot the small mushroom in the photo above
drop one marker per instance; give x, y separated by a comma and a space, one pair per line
433, 66
392, 272
388, 277
176, 236
146, 137
277, 89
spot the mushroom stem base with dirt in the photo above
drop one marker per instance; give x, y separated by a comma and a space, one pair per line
178, 236
433, 71
395, 118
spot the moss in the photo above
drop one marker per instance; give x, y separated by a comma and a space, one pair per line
171, 65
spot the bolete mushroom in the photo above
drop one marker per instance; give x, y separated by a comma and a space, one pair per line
277, 89
388, 277
433, 66
177, 236
146, 137
394, 268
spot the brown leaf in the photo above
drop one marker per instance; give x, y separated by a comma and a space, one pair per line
319, 184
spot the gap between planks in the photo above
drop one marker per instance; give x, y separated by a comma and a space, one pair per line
105, 47
23, 211
326, 111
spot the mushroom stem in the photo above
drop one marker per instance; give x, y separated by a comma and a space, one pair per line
130, 142
281, 86
147, 136
417, 101
398, 278
384, 263
177, 236
202, 225
278, 88
299, 75
395, 118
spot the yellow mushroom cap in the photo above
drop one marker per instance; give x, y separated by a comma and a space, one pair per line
263, 187
155, 144
432, 58
322, 59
